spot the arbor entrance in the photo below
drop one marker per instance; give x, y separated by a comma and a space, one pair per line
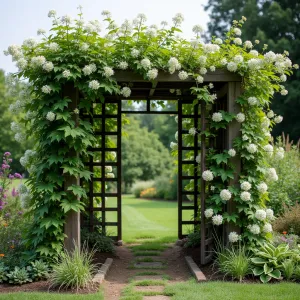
105, 163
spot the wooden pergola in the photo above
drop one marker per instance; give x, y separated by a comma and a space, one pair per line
228, 88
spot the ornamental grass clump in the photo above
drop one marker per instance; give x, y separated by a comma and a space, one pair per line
74, 270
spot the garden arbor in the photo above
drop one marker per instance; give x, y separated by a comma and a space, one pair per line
165, 87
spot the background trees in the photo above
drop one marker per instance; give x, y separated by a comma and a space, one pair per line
275, 23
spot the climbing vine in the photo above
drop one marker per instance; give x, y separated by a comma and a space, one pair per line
85, 56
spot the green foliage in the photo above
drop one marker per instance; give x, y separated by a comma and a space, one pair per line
193, 240
289, 221
297, 272
73, 270
288, 267
3, 273
166, 187
19, 276
39, 270
268, 261
285, 191
148, 193
97, 241
234, 262
139, 186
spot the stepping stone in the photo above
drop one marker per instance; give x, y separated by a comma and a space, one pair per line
150, 288
147, 253
159, 297
146, 265
148, 277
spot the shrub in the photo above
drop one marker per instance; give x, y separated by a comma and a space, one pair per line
139, 186
234, 262
3, 273
297, 273
288, 268
289, 221
193, 240
19, 276
39, 270
285, 191
98, 241
166, 187
290, 239
74, 270
148, 193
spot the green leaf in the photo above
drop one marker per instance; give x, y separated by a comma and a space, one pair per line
265, 278
258, 271
258, 260
275, 274
221, 158
77, 191
75, 205
267, 269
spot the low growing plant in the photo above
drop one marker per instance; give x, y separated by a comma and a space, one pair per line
74, 270
297, 273
39, 270
193, 240
288, 267
3, 273
19, 276
139, 186
268, 261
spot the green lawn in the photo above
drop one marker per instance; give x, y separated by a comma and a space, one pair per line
147, 218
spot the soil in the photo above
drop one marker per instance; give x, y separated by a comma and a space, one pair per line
44, 286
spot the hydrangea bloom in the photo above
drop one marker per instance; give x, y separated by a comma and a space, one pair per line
183, 75
108, 72
208, 213
271, 174
38, 61
225, 195
66, 73
22, 189
123, 65
251, 148
238, 41
269, 149
260, 215
198, 159
270, 213
279, 154
248, 45
211, 48
270, 56
233, 237
232, 152
202, 60
232, 66
126, 91
135, 53
108, 169
284, 92
245, 186
178, 19
21, 63
207, 175
48, 66
217, 220
199, 79
152, 74
94, 85
278, 119
238, 59
254, 229
203, 71
212, 188
174, 146
217, 117
146, 63
245, 196
197, 29
176, 136
237, 31
192, 131
110, 175
240, 117
252, 100
218, 41
20, 137
50, 116
283, 77
174, 65
254, 63
212, 68
267, 228
15, 127
270, 114
46, 89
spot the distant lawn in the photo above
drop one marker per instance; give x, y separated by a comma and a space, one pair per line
233, 291
142, 219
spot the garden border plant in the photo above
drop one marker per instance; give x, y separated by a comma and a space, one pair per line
74, 54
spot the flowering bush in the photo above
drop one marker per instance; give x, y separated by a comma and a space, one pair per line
77, 55
148, 193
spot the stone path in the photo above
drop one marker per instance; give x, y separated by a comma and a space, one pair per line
140, 272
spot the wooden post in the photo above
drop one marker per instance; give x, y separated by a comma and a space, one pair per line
72, 225
233, 131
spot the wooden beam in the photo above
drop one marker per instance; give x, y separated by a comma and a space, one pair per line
72, 224
219, 75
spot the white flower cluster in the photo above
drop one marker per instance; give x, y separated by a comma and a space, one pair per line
174, 146
267, 228
108, 169
254, 63
126, 92
251, 148
232, 66
208, 213
123, 65
46, 89
94, 85
199, 79
16, 107
27, 159
110, 175
183, 75
262, 188
233, 237
217, 117
269, 149
53, 47
217, 220
152, 74
89, 69
278, 119
245, 196
50, 116
198, 159
66, 73
48, 66
108, 72
271, 174
252, 100
22, 189
146, 63
15, 127
20, 137
279, 153
254, 229
238, 59
174, 65
260, 215
225, 195
192, 131
202, 60
38, 61
203, 71
240, 117
246, 186
135, 53
210, 48
207, 175
232, 152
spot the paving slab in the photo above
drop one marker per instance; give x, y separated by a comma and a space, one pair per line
148, 277
159, 297
150, 288
147, 265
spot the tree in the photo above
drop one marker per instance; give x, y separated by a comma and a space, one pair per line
143, 155
275, 23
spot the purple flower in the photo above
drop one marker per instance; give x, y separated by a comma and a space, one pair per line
7, 154
5, 166
7, 215
20, 213
1, 207
17, 175
14, 193
11, 176
10, 160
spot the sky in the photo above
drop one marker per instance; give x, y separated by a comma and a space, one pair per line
20, 19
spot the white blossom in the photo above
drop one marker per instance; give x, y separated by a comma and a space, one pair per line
15, 127
208, 212
48, 66
240, 117
254, 229
203, 71
176, 135
66, 19
46, 89
192, 131
108, 72
218, 41
232, 66
135, 53
123, 65
248, 45
270, 114
254, 52
199, 79
238, 41
173, 64
279, 154
225, 195
198, 159
126, 92
254, 63
262, 187
265, 122
50, 116
207, 175
269, 149
237, 31
270, 56
283, 78
94, 85
233, 237
223, 61
217, 220
197, 29
260, 215
108, 169
20, 137
211, 48
238, 59
267, 228
174, 146
271, 174
30, 43
183, 75
217, 117
202, 60
252, 100
52, 13
152, 74
38, 61
41, 31
22, 189
284, 92
110, 175
66, 73
232, 152
106, 13
84, 47
245, 137
113, 155
245, 196
212, 188
212, 68
251, 148
245, 186
278, 119
21, 63
270, 213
